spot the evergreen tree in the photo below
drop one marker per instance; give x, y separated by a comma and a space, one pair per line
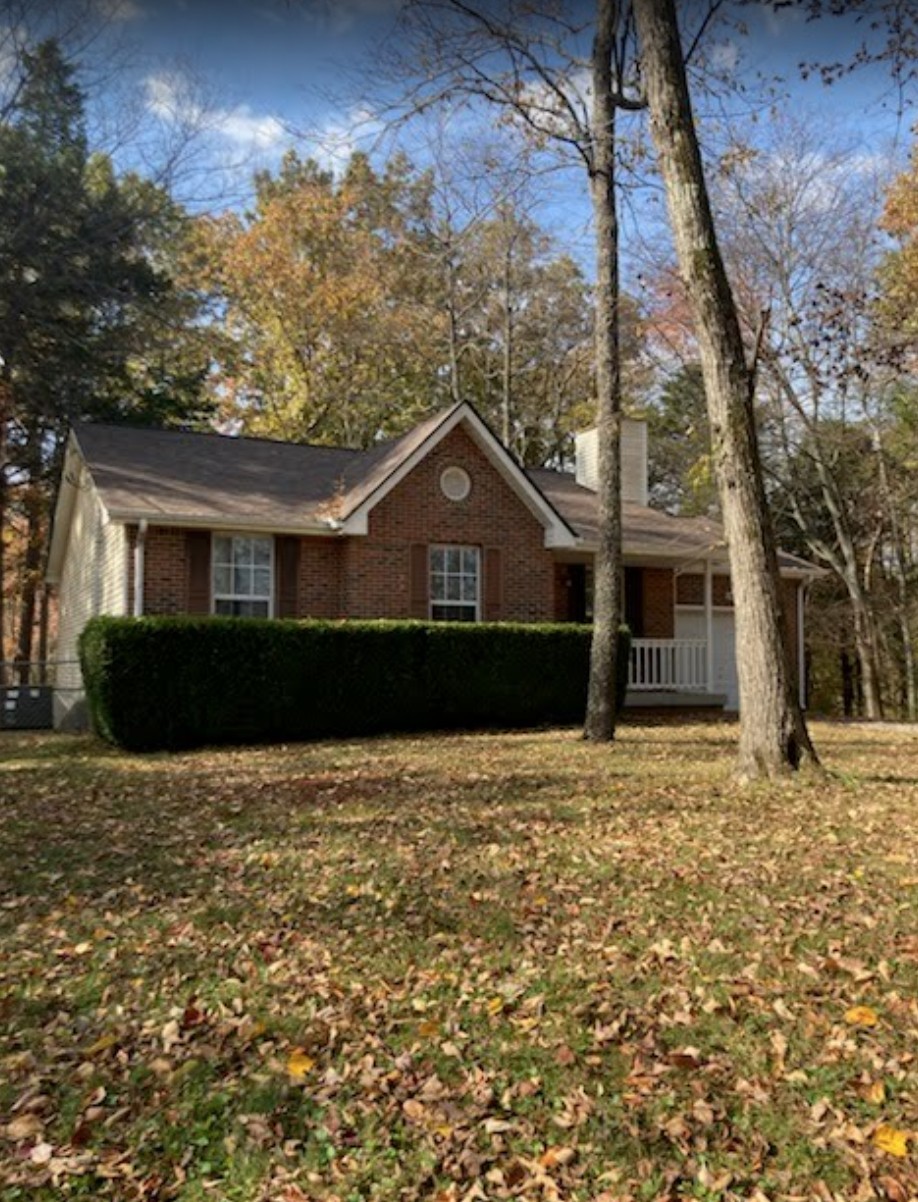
86, 296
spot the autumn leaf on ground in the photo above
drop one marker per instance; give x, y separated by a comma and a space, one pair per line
299, 1065
861, 1016
891, 1140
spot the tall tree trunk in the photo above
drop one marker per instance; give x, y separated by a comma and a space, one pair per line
599, 725
773, 735
5, 416
865, 646
44, 617
900, 566
506, 374
452, 326
30, 579
2, 569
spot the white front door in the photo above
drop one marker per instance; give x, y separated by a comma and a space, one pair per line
725, 658
690, 624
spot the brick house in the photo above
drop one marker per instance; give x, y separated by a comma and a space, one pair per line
440, 524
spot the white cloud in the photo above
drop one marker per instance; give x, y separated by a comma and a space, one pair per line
341, 16
778, 21
172, 98
724, 55
248, 128
120, 10
333, 143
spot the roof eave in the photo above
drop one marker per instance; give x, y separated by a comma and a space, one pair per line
327, 527
63, 511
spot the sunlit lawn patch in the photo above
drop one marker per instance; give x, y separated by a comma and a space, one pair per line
459, 966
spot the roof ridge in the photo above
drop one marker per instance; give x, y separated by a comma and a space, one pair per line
235, 438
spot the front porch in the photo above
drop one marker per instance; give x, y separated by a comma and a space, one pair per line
671, 672
681, 621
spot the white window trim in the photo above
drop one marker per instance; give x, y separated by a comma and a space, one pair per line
215, 534
463, 604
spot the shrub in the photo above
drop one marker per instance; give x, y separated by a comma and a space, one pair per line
181, 682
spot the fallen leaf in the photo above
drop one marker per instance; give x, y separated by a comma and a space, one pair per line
861, 1016
891, 1140
299, 1064
102, 1045
554, 1158
874, 1092
685, 1057
24, 1126
893, 1189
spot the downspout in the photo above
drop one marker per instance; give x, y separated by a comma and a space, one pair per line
140, 546
709, 623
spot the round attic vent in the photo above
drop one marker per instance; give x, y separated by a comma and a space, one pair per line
455, 483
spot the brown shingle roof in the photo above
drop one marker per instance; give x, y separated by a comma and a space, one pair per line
645, 531
168, 475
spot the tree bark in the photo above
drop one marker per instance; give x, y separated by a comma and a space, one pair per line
901, 573
506, 375
599, 725
30, 580
773, 735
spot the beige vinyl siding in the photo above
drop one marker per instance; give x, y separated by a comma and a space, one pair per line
634, 460
92, 580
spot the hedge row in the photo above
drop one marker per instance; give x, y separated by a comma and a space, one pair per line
157, 683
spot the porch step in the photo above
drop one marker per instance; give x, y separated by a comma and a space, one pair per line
671, 699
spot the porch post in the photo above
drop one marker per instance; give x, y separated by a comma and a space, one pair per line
709, 623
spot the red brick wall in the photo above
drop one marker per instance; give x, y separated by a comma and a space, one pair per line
165, 573
368, 577
319, 585
690, 590
377, 570
659, 602
561, 591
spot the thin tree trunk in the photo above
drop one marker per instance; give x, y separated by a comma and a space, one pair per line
30, 581
5, 415
44, 614
865, 646
507, 358
453, 329
599, 725
847, 683
2, 569
773, 734
902, 589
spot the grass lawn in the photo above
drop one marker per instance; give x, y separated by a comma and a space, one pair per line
459, 967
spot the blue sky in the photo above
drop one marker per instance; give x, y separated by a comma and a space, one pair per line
256, 71
273, 62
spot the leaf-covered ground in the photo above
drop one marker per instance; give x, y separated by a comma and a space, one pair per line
459, 967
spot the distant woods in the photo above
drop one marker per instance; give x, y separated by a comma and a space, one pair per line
344, 307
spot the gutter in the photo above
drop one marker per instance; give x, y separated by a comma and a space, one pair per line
204, 521
140, 555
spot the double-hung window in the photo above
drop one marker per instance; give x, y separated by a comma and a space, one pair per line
242, 575
455, 584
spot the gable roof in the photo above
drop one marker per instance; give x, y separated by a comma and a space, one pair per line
649, 534
181, 478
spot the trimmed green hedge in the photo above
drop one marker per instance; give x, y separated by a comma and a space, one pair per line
157, 683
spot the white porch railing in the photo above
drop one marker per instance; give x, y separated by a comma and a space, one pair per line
677, 665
